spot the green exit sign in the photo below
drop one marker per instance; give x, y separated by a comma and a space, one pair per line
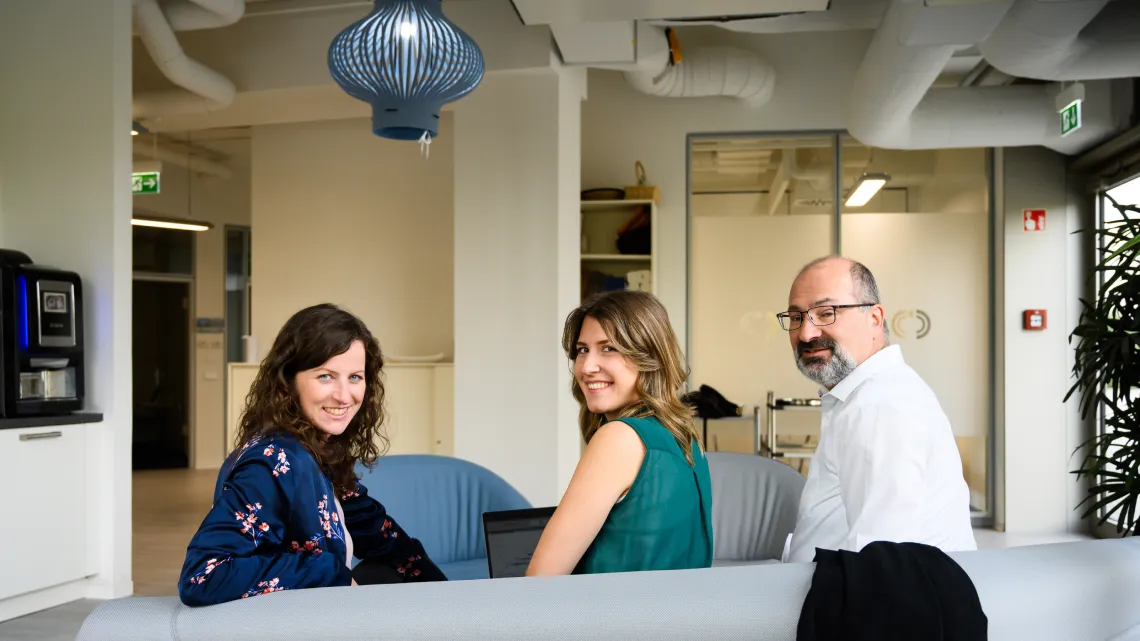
145, 182
1071, 118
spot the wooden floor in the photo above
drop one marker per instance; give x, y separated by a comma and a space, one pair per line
168, 507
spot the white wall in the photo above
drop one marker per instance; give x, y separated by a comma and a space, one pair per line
620, 126
221, 202
517, 277
340, 215
1043, 270
65, 163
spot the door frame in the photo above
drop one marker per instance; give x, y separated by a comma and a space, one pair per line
247, 310
191, 404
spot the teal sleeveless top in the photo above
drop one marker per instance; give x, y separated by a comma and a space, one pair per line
665, 520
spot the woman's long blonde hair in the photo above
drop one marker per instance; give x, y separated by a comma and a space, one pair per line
638, 327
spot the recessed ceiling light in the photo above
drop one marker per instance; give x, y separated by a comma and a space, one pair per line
866, 188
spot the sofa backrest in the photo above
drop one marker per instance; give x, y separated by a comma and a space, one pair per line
440, 500
755, 500
1085, 591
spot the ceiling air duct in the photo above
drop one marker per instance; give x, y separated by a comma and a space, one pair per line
209, 90
893, 106
664, 69
1073, 40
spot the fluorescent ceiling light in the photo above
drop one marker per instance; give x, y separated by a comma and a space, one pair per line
866, 188
170, 223
1126, 194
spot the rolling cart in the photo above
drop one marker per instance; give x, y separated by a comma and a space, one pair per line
773, 448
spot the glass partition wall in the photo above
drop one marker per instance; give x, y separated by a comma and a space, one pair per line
761, 206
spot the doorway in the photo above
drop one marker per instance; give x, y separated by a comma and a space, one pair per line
161, 366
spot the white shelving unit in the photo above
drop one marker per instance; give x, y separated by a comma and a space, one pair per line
601, 220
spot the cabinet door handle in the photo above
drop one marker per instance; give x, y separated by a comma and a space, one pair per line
40, 435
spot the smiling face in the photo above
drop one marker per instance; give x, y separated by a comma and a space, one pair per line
330, 395
607, 378
828, 354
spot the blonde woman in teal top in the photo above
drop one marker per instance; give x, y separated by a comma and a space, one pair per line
641, 496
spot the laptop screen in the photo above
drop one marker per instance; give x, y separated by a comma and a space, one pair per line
512, 536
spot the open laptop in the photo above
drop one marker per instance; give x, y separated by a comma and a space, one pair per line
511, 536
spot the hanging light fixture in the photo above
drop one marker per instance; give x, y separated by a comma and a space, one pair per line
406, 60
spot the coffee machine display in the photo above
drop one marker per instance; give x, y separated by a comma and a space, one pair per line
41, 338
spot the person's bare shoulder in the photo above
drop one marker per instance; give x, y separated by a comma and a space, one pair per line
617, 439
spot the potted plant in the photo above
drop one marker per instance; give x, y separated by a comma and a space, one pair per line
1107, 371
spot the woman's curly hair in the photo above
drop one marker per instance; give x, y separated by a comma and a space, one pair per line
308, 340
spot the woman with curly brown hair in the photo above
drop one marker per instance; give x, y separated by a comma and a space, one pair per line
288, 511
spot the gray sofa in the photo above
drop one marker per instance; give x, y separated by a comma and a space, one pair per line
755, 501
1085, 591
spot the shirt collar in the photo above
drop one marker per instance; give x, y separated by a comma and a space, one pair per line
886, 358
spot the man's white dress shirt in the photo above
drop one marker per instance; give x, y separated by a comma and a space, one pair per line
886, 468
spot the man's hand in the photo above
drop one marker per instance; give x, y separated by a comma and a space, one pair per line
355, 584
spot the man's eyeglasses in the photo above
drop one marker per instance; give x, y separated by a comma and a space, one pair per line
819, 316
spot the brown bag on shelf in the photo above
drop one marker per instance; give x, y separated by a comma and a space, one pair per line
642, 191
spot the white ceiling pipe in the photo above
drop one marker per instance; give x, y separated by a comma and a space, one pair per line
149, 107
212, 90
1053, 40
195, 164
189, 15
841, 15
1015, 116
892, 105
778, 189
704, 71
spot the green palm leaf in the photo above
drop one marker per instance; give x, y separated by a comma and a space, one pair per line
1107, 372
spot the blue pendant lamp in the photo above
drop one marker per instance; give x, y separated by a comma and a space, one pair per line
406, 60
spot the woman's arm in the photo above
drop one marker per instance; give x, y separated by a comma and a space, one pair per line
607, 469
375, 535
230, 558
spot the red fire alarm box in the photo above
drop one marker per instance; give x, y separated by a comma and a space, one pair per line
1034, 319
1034, 219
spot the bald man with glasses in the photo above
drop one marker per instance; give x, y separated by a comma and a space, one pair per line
887, 467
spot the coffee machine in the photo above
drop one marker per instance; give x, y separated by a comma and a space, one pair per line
41, 338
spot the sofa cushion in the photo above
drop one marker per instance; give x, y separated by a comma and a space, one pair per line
465, 570
730, 563
440, 500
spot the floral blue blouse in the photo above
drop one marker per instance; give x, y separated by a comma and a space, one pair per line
274, 526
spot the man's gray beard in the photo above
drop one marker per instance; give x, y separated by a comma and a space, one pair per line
830, 374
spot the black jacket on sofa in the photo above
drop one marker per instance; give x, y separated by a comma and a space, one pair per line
895, 591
